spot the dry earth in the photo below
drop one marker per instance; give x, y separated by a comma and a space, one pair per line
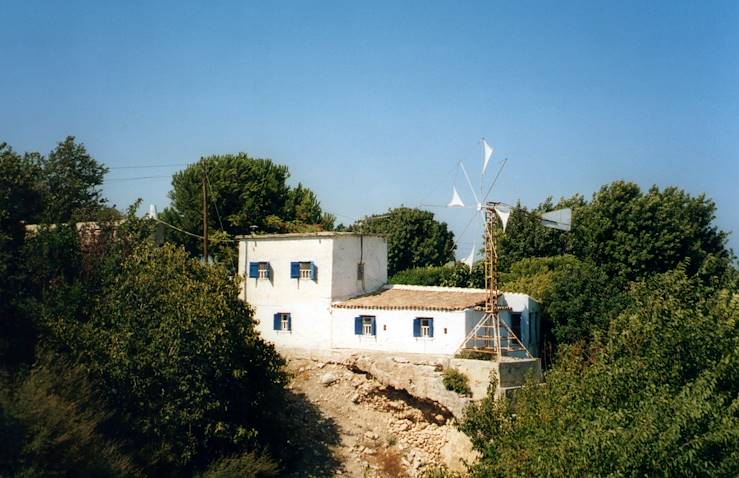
358, 427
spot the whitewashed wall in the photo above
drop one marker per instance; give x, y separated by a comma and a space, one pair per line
348, 252
307, 301
395, 331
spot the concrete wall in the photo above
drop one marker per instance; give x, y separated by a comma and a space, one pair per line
348, 251
308, 301
530, 319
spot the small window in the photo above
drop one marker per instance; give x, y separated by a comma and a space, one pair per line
360, 271
259, 270
282, 322
305, 270
366, 325
423, 327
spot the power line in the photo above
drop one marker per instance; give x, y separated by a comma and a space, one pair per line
135, 178
148, 166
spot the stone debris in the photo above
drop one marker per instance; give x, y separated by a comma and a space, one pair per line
380, 424
328, 378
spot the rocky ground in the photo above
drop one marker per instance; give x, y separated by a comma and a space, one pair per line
362, 428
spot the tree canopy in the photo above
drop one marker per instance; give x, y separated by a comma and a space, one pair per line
246, 195
414, 238
628, 233
656, 397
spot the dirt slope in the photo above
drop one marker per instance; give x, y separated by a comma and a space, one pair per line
366, 429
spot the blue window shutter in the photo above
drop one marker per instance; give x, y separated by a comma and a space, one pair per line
289, 322
416, 327
374, 326
313, 271
357, 325
277, 322
269, 270
295, 270
253, 269
431, 327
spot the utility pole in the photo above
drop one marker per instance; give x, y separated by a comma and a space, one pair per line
205, 222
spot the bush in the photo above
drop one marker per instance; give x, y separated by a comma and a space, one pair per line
51, 426
248, 465
176, 354
457, 275
456, 381
656, 397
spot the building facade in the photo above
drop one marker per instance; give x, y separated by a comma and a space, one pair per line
328, 290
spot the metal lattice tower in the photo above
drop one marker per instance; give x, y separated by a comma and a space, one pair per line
491, 334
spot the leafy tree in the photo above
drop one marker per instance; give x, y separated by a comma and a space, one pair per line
177, 356
414, 237
526, 237
656, 397
20, 202
456, 275
72, 180
579, 299
631, 234
246, 195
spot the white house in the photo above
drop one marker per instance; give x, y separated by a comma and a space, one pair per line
328, 290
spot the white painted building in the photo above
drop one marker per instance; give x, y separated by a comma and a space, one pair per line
328, 290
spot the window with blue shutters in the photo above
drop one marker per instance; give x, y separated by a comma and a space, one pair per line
304, 270
260, 270
282, 321
365, 325
423, 327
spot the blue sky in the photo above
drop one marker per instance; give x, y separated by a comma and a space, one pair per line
372, 104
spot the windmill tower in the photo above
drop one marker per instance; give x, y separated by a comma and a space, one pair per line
492, 334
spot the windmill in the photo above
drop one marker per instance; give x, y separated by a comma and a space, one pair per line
491, 334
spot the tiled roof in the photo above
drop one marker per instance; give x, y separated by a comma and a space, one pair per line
417, 298
306, 235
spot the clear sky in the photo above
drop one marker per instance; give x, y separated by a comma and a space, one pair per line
372, 104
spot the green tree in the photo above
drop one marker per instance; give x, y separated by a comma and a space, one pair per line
177, 356
526, 237
658, 396
631, 234
414, 237
456, 275
579, 299
246, 195
21, 201
72, 180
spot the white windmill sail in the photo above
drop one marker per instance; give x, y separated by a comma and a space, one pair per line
503, 214
456, 200
560, 219
487, 154
470, 260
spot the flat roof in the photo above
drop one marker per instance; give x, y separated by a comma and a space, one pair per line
306, 235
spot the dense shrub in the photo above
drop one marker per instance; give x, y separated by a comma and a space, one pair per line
457, 275
456, 381
51, 424
656, 397
177, 356
251, 464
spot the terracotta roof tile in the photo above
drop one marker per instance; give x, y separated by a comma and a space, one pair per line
417, 298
